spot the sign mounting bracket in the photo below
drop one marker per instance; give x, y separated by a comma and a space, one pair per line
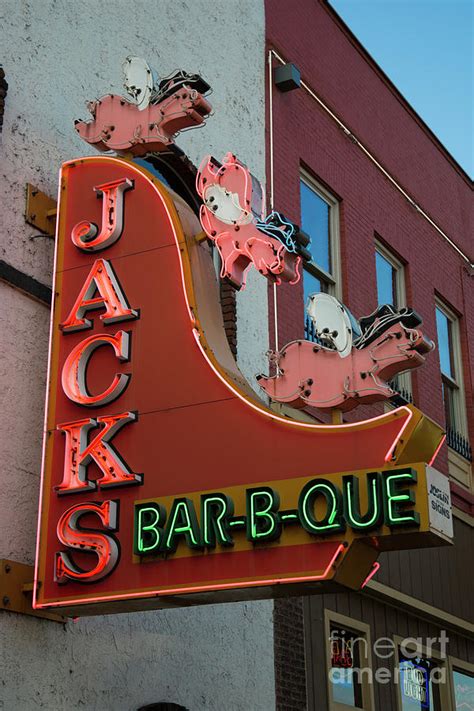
41, 211
16, 590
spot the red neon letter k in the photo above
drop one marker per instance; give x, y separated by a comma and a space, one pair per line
79, 453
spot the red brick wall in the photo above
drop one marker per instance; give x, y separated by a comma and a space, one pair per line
309, 34
229, 314
290, 676
340, 71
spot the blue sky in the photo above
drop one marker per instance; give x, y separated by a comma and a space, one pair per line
426, 48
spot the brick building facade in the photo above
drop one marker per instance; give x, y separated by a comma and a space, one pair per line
352, 139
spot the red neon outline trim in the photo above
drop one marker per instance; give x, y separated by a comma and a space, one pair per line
196, 589
46, 404
285, 421
375, 568
443, 438
390, 452
306, 425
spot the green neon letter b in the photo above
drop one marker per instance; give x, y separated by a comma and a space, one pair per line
149, 521
263, 520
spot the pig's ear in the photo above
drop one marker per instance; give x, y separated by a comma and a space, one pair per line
205, 174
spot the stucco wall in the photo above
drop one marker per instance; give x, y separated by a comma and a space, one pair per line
56, 55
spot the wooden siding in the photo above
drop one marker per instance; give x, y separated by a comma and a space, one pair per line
441, 577
384, 621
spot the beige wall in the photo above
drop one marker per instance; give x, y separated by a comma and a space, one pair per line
56, 55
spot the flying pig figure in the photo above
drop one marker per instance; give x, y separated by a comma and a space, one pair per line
150, 118
349, 363
232, 216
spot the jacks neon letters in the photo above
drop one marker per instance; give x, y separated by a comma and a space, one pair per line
89, 440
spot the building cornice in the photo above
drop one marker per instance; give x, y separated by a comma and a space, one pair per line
391, 86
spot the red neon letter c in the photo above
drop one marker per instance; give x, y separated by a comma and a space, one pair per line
75, 366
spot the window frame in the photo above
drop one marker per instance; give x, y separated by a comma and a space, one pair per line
460, 665
445, 691
459, 468
362, 629
456, 383
404, 380
398, 266
333, 280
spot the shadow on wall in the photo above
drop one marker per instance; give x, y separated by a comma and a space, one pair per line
3, 94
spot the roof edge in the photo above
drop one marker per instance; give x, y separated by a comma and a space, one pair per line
397, 93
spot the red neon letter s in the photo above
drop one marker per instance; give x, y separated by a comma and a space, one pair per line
75, 367
103, 545
78, 454
84, 234
102, 279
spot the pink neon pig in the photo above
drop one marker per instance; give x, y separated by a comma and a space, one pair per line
119, 125
310, 374
233, 207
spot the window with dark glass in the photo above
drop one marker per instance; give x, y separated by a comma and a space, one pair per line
419, 689
345, 660
449, 353
444, 328
319, 221
315, 222
386, 280
391, 290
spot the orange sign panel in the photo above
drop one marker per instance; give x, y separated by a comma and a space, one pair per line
164, 476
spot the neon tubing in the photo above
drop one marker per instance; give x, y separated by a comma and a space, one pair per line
266, 413
443, 439
375, 568
198, 589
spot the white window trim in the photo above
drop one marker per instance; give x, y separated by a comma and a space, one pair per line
460, 399
335, 278
445, 691
331, 617
400, 285
460, 665
459, 468
404, 379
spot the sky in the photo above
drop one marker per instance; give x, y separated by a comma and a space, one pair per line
426, 48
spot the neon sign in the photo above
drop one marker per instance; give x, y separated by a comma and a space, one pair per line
341, 650
101, 544
232, 216
264, 521
416, 682
148, 119
164, 474
351, 362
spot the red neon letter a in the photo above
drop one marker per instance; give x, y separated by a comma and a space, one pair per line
101, 289
79, 453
